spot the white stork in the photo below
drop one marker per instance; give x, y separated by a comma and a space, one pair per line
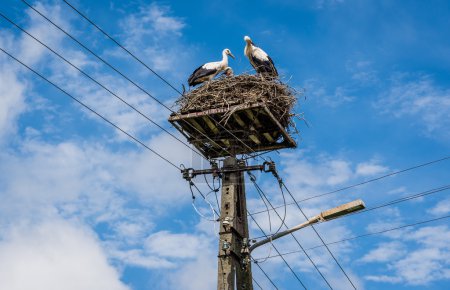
228, 72
259, 59
209, 70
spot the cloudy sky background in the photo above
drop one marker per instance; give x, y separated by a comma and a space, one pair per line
84, 207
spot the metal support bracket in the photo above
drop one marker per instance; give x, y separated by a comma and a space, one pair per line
267, 166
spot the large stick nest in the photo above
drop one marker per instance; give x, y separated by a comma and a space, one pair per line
226, 92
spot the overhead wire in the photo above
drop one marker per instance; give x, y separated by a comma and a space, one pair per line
392, 202
264, 272
283, 223
363, 236
90, 109
363, 182
96, 113
146, 66
321, 239
98, 83
247, 146
118, 71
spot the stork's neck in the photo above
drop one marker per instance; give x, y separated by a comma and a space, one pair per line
248, 49
224, 61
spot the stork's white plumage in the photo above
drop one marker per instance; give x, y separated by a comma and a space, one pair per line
259, 59
209, 70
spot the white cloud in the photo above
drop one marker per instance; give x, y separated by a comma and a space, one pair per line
384, 252
325, 96
150, 31
55, 255
166, 244
369, 169
420, 99
416, 257
12, 100
442, 208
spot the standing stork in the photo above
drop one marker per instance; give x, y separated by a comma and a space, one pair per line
259, 59
209, 70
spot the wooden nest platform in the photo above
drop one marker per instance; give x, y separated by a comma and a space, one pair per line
237, 115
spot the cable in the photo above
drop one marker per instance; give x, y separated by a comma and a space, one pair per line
141, 62
364, 182
256, 282
119, 72
392, 202
121, 46
320, 237
296, 240
264, 272
403, 199
90, 109
98, 83
275, 248
364, 235
203, 196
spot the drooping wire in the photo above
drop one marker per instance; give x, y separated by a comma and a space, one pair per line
214, 190
364, 182
90, 109
98, 83
206, 200
296, 240
363, 236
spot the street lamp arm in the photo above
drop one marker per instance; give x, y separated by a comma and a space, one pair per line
327, 215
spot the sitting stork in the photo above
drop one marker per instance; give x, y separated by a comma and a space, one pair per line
228, 72
209, 70
259, 59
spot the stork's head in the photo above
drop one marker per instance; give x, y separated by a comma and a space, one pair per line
228, 71
228, 52
248, 39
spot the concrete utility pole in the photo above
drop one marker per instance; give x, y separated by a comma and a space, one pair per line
234, 267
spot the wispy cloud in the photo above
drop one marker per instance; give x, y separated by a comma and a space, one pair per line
418, 98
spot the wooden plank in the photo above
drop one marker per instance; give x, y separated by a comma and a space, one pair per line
287, 139
240, 107
196, 125
253, 118
210, 124
268, 137
238, 119
255, 139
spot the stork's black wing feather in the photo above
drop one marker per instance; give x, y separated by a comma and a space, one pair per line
199, 73
264, 66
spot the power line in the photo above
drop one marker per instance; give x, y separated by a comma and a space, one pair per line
145, 65
258, 188
264, 272
90, 109
403, 199
362, 183
98, 83
320, 237
118, 71
284, 260
395, 201
121, 46
361, 236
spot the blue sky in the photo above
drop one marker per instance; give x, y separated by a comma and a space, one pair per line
84, 207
